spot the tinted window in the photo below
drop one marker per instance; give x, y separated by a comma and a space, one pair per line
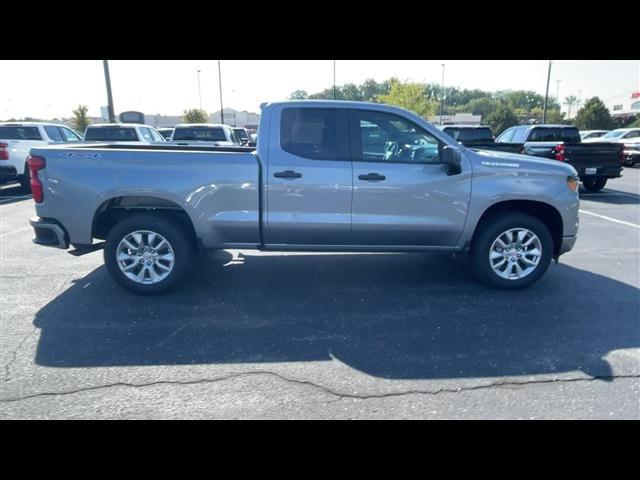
113, 134
554, 134
205, 134
313, 133
470, 134
20, 133
506, 136
241, 133
69, 135
166, 133
633, 134
54, 134
384, 137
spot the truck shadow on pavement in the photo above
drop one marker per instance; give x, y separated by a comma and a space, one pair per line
393, 316
616, 197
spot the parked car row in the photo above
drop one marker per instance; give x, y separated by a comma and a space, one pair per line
596, 160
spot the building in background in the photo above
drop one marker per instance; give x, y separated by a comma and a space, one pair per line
457, 119
625, 104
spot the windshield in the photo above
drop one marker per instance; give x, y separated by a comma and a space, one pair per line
614, 134
205, 134
111, 134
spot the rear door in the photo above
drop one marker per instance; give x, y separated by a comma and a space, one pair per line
402, 195
308, 177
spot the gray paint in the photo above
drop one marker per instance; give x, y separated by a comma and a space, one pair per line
418, 206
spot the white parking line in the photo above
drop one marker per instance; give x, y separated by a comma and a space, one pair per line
610, 219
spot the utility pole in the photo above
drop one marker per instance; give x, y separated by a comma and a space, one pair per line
546, 96
107, 79
334, 79
220, 82
199, 90
442, 97
558, 91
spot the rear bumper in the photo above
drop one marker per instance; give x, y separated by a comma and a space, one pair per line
49, 233
567, 244
602, 172
8, 174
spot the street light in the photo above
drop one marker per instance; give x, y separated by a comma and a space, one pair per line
220, 83
334, 79
558, 92
199, 90
546, 96
107, 78
442, 97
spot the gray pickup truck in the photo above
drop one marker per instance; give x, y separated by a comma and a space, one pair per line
326, 176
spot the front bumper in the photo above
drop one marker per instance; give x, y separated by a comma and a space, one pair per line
49, 233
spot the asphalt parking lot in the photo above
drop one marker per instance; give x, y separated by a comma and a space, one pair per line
258, 335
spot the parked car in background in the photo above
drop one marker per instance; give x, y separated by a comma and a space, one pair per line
166, 133
596, 162
244, 136
315, 184
586, 134
617, 135
631, 152
214, 134
17, 138
469, 134
122, 132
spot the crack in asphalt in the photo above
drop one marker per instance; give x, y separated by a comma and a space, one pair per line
327, 390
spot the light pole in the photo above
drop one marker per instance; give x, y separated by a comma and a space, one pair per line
442, 97
220, 83
546, 96
558, 93
199, 90
334, 79
107, 79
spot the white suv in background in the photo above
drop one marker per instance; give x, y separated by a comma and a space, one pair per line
122, 132
17, 138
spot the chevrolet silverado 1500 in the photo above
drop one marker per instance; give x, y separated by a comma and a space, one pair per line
326, 176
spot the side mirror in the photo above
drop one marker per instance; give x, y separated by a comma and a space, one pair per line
452, 158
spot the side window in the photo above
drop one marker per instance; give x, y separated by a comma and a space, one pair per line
69, 135
633, 134
316, 133
145, 134
506, 136
155, 136
385, 137
519, 135
54, 134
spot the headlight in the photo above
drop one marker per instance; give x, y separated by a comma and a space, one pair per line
573, 181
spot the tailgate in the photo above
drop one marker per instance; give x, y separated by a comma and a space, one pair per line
594, 158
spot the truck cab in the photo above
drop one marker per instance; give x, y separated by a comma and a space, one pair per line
122, 132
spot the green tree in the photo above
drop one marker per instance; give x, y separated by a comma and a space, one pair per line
80, 119
635, 123
502, 119
299, 95
195, 115
593, 116
410, 96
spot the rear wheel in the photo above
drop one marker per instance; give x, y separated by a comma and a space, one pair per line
594, 185
147, 254
511, 250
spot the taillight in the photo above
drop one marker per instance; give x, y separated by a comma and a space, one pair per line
35, 165
622, 159
558, 152
4, 151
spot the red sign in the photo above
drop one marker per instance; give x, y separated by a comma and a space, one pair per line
635, 95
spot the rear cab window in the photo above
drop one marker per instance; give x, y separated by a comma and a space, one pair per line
19, 133
204, 134
111, 134
554, 134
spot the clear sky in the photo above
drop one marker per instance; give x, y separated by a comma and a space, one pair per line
52, 88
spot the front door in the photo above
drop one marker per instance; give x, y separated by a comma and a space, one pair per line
308, 178
402, 195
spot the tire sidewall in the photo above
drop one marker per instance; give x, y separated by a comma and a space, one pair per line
497, 225
170, 230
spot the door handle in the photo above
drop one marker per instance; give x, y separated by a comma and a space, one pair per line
287, 174
372, 177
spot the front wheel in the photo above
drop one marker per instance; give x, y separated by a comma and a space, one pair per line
594, 185
147, 254
511, 250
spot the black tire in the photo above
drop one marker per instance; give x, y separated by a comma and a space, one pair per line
628, 163
25, 181
174, 233
489, 231
594, 185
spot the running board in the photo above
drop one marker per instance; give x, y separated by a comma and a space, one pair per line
84, 249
